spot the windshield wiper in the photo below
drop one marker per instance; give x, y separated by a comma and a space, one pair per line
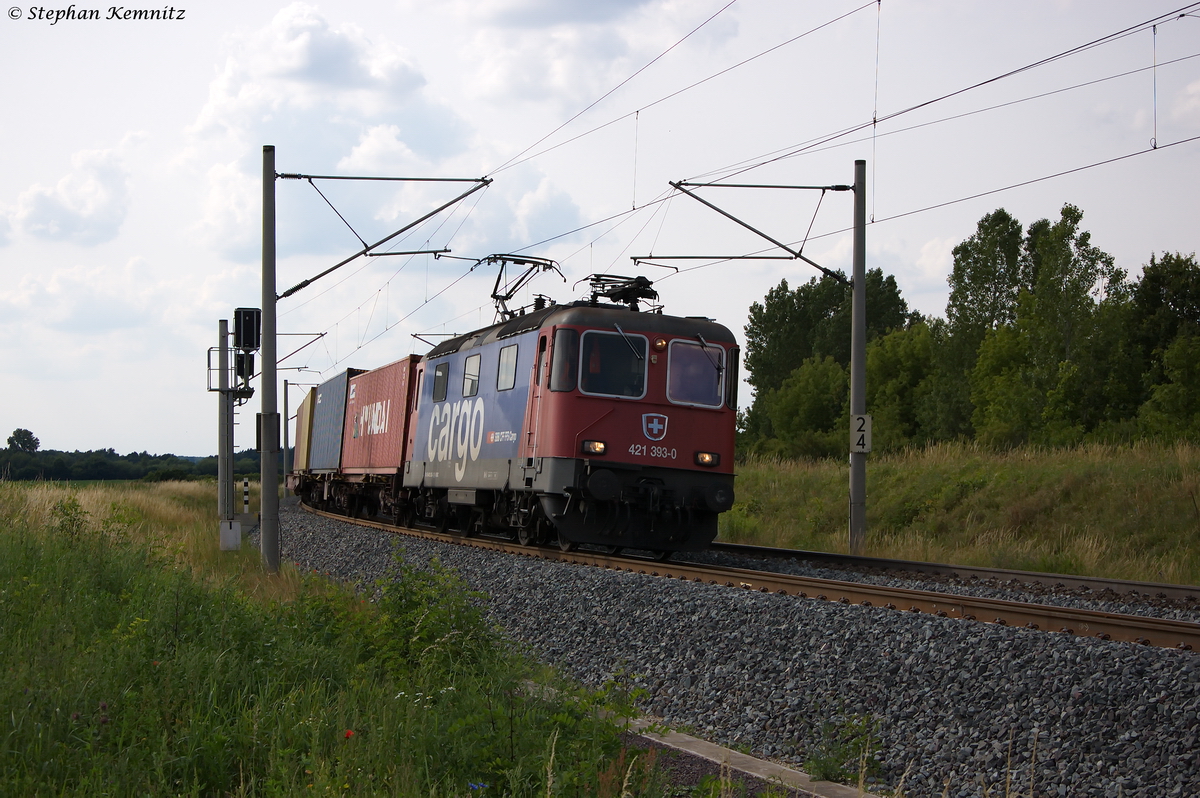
636, 353
704, 348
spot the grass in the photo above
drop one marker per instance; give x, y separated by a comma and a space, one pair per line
1128, 512
138, 659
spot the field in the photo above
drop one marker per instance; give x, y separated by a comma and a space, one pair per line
138, 659
1129, 512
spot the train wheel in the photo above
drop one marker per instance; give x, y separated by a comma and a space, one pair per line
458, 518
443, 516
662, 556
537, 530
566, 545
477, 523
611, 551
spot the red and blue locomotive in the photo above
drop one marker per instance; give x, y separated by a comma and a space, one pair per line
593, 422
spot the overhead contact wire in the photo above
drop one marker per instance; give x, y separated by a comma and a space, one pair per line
968, 198
514, 160
1112, 37
685, 89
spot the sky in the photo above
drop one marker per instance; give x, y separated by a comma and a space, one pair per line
131, 171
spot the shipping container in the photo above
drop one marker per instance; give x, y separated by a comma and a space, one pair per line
377, 404
304, 417
328, 421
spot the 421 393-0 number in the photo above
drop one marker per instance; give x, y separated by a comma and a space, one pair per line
641, 449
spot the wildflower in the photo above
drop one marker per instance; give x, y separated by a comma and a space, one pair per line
103, 719
349, 733
103, 705
74, 716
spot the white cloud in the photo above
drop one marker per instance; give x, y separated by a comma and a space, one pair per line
567, 64
1186, 107
545, 13
543, 212
86, 206
328, 97
935, 262
380, 150
300, 62
573, 52
232, 217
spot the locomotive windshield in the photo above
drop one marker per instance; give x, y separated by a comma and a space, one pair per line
566, 360
613, 364
694, 374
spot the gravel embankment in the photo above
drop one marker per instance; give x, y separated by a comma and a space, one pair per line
764, 672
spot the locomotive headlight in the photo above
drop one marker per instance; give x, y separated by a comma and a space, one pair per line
660, 344
708, 459
594, 447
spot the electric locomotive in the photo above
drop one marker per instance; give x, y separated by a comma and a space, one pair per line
595, 422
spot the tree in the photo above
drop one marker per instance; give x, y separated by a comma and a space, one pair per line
22, 440
899, 365
1166, 304
1047, 377
944, 405
810, 411
1072, 275
781, 333
813, 321
1173, 410
1007, 406
986, 279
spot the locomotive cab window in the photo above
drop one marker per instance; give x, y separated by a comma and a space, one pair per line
506, 370
541, 356
566, 360
612, 364
471, 376
695, 374
441, 380
731, 381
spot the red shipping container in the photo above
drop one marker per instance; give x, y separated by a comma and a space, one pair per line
377, 405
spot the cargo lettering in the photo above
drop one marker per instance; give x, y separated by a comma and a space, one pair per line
456, 433
372, 419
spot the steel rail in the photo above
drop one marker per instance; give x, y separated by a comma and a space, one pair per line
1160, 590
1160, 632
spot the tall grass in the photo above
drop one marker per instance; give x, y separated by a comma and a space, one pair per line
138, 660
1120, 511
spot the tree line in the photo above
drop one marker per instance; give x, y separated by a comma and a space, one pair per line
23, 460
1045, 341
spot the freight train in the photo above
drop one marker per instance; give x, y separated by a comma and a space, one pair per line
596, 422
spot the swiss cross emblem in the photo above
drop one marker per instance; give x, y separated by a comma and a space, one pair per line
654, 426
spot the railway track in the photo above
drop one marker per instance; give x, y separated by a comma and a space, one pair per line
1064, 620
1159, 590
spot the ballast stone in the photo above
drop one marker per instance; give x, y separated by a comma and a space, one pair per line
1082, 714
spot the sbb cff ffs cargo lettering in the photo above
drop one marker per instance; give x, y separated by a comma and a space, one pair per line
587, 423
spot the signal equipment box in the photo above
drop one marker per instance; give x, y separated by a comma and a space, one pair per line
247, 328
